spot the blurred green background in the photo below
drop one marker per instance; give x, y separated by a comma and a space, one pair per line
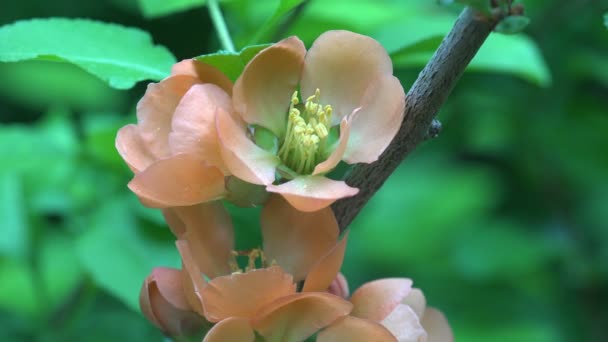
502, 220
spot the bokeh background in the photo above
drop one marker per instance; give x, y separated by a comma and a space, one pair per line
502, 220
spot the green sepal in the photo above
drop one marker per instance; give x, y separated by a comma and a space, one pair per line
243, 194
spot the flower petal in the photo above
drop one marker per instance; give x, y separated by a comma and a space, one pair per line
355, 329
312, 193
162, 300
174, 222
335, 157
294, 239
342, 65
193, 126
233, 329
155, 112
263, 91
437, 326
132, 149
324, 272
415, 300
297, 317
339, 286
210, 236
192, 277
242, 294
242, 157
204, 72
377, 299
375, 125
404, 324
180, 180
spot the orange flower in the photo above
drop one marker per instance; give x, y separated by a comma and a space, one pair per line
350, 109
298, 247
397, 306
173, 150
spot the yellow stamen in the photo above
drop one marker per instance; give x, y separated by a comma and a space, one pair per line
307, 129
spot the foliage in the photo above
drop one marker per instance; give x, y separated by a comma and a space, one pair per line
501, 220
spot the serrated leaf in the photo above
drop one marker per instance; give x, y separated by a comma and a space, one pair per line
232, 63
159, 8
512, 24
284, 7
119, 55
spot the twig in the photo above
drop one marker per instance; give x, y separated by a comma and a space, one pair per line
423, 101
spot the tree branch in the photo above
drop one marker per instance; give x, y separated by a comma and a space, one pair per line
423, 101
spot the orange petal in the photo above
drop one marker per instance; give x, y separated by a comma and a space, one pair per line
415, 300
375, 125
210, 236
404, 324
263, 91
193, 125
339, 286
174, 222
342, 65
355, 329
242, 157
297, 240
132, 149
297, 317
335, 157
312, 193
180, 180
204, 72
162, 300
231, 329
192, 277
324, 272
242, 294
377, 299
437, 326
155, 112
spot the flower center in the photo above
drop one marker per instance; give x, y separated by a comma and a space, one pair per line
252, 256
308, 126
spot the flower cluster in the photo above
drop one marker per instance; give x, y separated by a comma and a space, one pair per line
288, 120
270, 139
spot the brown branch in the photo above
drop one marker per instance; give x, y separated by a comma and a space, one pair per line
423, 101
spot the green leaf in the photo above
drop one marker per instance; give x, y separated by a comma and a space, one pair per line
606, 19
232, 63
512, 24
34, 293
517, 55
14, 231
62, 84
118, 254
159, 8
118, 55
284, 7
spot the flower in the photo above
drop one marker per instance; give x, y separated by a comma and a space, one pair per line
350, 108
291, 288
298, 247
393, 303
173, 149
